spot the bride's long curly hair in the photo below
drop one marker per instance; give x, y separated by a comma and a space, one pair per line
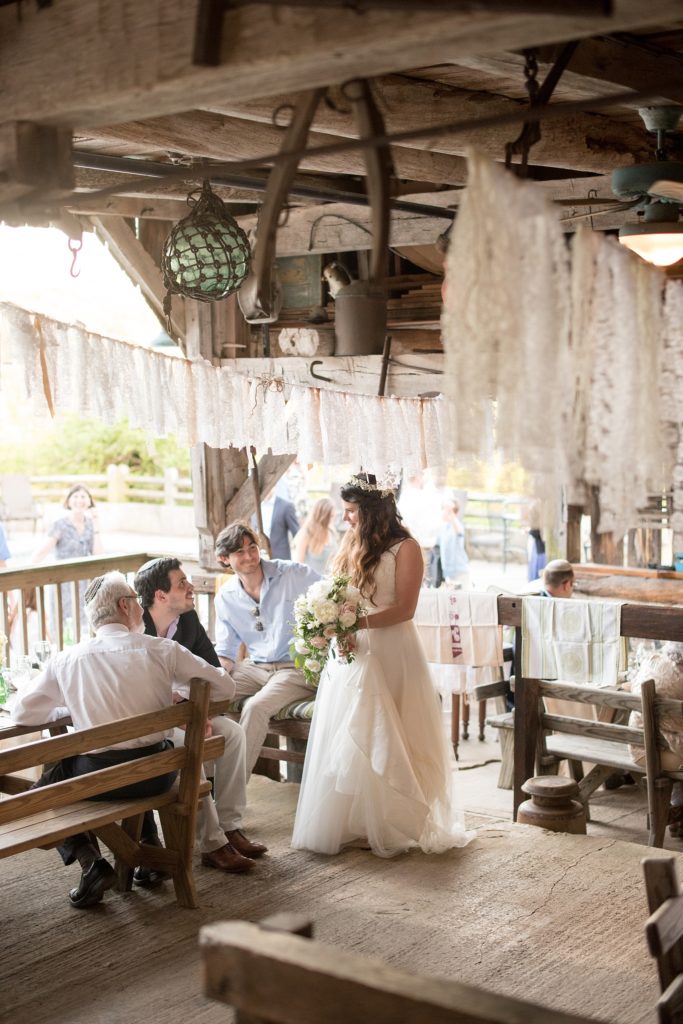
379, 528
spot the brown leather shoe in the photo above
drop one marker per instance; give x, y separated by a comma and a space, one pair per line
226, 858
244, 845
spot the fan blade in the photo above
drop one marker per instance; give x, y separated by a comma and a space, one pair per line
667, 190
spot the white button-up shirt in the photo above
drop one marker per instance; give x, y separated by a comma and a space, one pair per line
116, 674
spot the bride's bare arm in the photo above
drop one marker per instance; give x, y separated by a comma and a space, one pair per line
409, 574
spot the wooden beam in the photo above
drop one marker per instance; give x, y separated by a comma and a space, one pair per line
204, 134
598, 67
34, 157
359, 374
85, 62
337, 227
243, 503
149, 208
582, 141
141, 268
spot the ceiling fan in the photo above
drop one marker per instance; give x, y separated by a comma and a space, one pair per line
656, 189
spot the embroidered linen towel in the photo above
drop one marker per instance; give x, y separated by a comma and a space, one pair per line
460, 629
578, 641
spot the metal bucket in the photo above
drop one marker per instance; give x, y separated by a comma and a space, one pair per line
360, 320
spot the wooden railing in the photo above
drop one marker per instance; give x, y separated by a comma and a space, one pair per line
118, 484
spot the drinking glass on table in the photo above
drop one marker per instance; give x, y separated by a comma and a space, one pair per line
42, 649
21, 671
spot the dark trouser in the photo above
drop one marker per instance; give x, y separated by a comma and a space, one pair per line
83, 764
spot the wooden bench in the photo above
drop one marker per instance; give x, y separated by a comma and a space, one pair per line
269, 975
543, 740
293, 723
43, 817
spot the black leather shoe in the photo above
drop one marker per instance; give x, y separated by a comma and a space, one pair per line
94, 882
149, 878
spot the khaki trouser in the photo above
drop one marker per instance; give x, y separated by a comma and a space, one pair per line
270, 686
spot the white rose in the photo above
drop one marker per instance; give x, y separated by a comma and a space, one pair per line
353, 595
312, 664
326, 611
347, 619
318, 591
300, 646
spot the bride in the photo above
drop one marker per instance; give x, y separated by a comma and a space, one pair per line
379, 768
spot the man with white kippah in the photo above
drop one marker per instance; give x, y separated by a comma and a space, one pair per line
118, 673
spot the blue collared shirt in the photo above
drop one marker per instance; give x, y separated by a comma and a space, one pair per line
236, 619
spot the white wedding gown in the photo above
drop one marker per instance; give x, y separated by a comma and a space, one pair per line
379, 765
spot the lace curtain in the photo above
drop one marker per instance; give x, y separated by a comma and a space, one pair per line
559, 349
67, 369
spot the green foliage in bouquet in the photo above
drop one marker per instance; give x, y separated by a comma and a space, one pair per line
326, 619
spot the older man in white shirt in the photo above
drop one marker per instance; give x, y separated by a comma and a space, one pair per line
118, 673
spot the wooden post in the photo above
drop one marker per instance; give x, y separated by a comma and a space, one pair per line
574, 513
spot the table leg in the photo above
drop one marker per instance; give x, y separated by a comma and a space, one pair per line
455, 722
482, 719
465, 717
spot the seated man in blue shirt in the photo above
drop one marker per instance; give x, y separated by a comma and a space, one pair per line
256, 608
167, 599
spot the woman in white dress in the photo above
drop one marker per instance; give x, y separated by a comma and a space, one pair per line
379, 768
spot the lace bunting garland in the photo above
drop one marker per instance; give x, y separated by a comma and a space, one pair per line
199, 402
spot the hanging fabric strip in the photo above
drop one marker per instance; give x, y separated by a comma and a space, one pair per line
65, 368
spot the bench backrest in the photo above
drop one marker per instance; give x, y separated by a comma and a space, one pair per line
664, 934
192, 714
287, 979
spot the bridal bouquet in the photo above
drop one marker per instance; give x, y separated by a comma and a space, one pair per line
329, 610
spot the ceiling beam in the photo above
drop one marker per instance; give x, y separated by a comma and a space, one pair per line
341, 228
582, 141
141, 268
598, 67
87, 62
216, 137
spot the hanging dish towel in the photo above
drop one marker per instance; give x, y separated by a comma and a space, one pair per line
459, 629
577, 641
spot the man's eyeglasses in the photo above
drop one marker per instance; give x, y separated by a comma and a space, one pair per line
258, 625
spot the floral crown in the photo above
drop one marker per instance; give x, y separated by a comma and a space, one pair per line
384, 488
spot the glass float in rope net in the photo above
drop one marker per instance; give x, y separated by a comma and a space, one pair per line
207, 255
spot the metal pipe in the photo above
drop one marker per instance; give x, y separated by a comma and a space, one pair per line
155, 169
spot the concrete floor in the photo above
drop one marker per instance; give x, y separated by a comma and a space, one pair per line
554, 919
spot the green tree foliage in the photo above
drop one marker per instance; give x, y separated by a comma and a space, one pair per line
72, 444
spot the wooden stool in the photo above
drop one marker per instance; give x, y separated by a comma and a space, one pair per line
455, 719
553, 805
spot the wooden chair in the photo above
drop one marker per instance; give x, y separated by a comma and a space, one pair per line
664, 934
16, 499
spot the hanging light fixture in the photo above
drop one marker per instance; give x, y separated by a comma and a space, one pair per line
659, 239
206, 256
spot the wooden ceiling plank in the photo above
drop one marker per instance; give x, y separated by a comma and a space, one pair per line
599, 67
87, 62
217, 137
337, 227
141, 268
582, 141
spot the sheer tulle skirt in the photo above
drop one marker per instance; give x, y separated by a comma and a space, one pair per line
379, 765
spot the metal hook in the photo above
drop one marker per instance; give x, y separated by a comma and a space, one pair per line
317, 376
75, 246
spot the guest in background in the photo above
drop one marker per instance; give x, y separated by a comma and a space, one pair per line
4, 549
316, 541
536, 553
75, 535
455, 564
558, 579
279, 523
